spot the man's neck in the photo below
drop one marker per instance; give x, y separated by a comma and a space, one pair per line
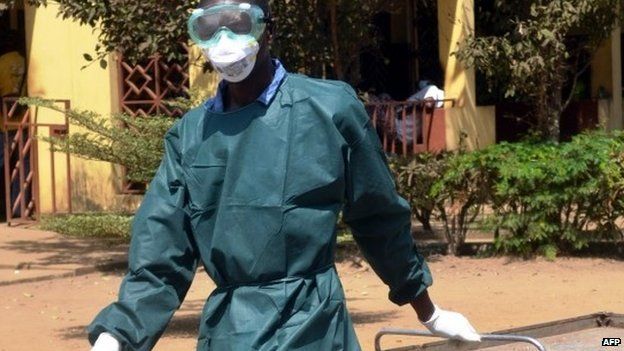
244, 93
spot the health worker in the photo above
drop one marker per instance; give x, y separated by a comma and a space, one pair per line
250, 187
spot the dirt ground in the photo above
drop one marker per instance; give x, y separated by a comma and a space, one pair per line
493, 293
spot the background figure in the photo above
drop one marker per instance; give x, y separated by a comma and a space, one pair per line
428, 91
412, 124
12, 71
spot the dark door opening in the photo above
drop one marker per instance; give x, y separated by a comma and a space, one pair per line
13, 155
409, 51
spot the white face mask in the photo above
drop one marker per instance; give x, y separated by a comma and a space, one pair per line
234, 56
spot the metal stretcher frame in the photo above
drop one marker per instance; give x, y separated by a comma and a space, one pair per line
530, 334
484, 337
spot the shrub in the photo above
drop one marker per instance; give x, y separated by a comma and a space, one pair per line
462, 192
605, 202
90, 225
448, 186
551, 197
545, 197
415, 177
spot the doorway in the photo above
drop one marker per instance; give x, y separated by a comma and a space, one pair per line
16, 178
408, 35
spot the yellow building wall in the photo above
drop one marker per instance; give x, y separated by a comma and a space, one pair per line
456, 20
606, 73
55, 49
203, 84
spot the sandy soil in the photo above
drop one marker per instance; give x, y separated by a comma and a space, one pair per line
493, 293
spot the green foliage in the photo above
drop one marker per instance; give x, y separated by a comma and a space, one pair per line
345, 237
551, 198
133, 142
541, 45
415, 177
195, 98
5, 4
542, 198
464, 189
90, 225
136, 28
322, 38
448, 186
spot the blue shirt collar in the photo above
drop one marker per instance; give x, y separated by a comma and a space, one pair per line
215, 104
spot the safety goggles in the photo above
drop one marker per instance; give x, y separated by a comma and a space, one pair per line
239, 18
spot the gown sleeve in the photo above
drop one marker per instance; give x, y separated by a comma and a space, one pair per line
162, 260
379, 218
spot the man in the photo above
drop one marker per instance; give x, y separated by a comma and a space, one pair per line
12, 66
427, 91
251, 185
12, 70
411, 126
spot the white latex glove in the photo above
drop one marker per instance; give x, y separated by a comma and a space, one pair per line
451, 325
106, 342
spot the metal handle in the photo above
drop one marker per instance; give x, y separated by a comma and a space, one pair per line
484, 337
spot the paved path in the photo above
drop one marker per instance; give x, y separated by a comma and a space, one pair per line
28, 255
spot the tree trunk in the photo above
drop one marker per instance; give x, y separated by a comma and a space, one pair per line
424, 217
554, 132
548, 113
427, 225
451, 238
452, 249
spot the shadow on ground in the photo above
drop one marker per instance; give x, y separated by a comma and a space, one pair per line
185, 324
49, 252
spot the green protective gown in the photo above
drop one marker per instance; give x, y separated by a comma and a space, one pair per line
254, 195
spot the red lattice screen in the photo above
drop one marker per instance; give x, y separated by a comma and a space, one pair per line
145, 87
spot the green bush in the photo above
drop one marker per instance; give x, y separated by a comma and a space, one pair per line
448, 186
544, 198
90, 225
415, 177
606, 203
462, 191
555, 197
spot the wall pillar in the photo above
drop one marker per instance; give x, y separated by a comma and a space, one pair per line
456, 23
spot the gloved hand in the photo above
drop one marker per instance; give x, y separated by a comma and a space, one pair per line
106, 342
451, 325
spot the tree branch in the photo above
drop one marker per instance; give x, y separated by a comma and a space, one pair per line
578, 74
